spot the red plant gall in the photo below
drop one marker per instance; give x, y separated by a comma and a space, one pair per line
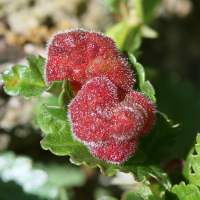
108, 126
82, 55
106, 115
114, 150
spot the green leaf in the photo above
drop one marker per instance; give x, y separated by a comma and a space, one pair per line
142, 171
55, 88
50, 100
143, 192
144, 86
138, 8
194, 178
148, 32
189, 192
119, 33
136, 43
66, 95
157, 143
127, 36
187, 168
153, 148
26, 81
54, 123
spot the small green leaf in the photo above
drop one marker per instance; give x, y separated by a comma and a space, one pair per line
187, 168
25, 81
138, 8
66, 95
119, 33
55, 88
134, 47
195, 162
144, 86
189, 192
148, 32
126, 36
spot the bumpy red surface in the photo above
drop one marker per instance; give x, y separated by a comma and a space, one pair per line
82, 55
107, 125
114, 150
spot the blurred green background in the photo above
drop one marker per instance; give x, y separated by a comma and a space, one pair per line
171, 61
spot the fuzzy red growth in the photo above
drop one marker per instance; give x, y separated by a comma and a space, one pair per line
108, 126
114, 150
82, 55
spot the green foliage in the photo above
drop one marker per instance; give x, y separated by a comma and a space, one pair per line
125, 36
66, 95
157, 143
195, 162
128, 33
145, 9
55, 88
54, 123
186, 192
187, 168
25, 81
144, 86
190, 191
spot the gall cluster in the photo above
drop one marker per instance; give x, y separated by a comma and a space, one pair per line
106, 114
